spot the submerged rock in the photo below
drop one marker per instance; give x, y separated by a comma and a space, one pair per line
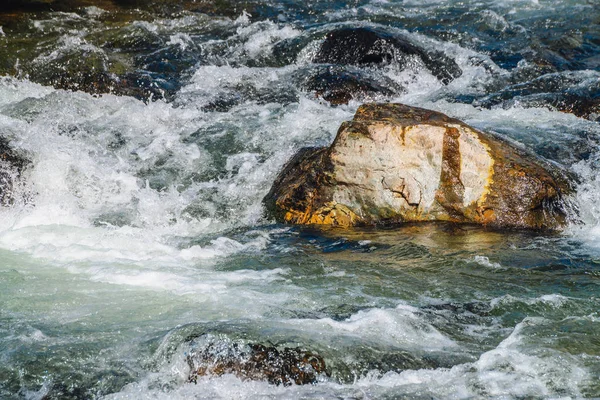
12, 165
394, 163
371, 46
346, 52
256, 362
574, 92
339, 85
583, 107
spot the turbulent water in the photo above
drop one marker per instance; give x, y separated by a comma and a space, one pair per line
138, 229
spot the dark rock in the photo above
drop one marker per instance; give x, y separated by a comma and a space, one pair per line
164, 7
394, 163
339, 85
475, 307
575, 92
12, 165
224, 103
142, 86
370, 46
581, 106
51, 5
256, 362
242, 93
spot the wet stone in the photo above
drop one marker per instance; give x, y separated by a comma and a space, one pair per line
370, 46
12, 165
285, 366
339, 85
52, 5
581, 106
573, 92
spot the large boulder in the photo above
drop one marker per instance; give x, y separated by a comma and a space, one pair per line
394, 163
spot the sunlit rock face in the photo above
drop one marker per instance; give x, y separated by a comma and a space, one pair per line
394, 163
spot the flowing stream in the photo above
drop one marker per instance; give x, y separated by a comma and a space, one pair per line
138, 223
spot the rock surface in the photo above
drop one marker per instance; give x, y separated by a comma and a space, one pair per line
338, 84
371, 46
394, 163
574, 92
256, 362
12, 165
348, 58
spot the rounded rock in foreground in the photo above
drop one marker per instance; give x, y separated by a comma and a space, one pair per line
256, 362
394, 163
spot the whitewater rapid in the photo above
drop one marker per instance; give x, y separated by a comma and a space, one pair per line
139, 228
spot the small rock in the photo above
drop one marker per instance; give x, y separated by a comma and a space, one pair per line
338, 85
256, 362
581, 106
12, 165
575, 92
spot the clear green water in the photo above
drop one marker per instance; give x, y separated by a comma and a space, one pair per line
422, 310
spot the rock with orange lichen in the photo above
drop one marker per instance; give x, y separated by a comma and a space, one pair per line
394, 163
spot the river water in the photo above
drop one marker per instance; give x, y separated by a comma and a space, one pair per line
138, 231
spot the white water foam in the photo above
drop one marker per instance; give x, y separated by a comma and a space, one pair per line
485, 261
102, 213
507, 371
77, 182
588, 198
401, 327
553, 300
